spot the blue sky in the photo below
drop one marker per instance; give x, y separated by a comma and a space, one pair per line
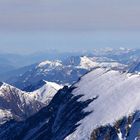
37, 25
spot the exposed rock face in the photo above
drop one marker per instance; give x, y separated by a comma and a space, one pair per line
19, 103
128, 128
54, 122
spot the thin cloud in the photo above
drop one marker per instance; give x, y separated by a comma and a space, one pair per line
69, 15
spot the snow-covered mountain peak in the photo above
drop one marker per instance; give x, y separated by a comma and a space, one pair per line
87, 63
9, 90
5, 85
19, 103
94, 62
55, 63
53, 85
46, 92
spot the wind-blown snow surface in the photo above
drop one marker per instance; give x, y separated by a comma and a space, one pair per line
118, 96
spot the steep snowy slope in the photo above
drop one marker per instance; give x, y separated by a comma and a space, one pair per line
46, 92
104, 104
118, 96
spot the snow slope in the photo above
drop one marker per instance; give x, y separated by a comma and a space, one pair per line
46, 92
118, 96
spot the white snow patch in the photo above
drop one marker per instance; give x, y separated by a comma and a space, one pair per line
46, 92
87, 63
91, 62
51, 63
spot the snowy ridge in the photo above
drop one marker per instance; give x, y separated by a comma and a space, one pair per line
51, 63
93, 62
87, 63
118, 96
16, 103
19, 105
54, 85
46, 93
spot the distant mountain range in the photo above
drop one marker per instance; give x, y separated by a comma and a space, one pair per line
10, 62
13, 64
64, 72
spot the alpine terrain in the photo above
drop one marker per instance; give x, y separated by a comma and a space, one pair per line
62, 72
103, 104
19, 105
